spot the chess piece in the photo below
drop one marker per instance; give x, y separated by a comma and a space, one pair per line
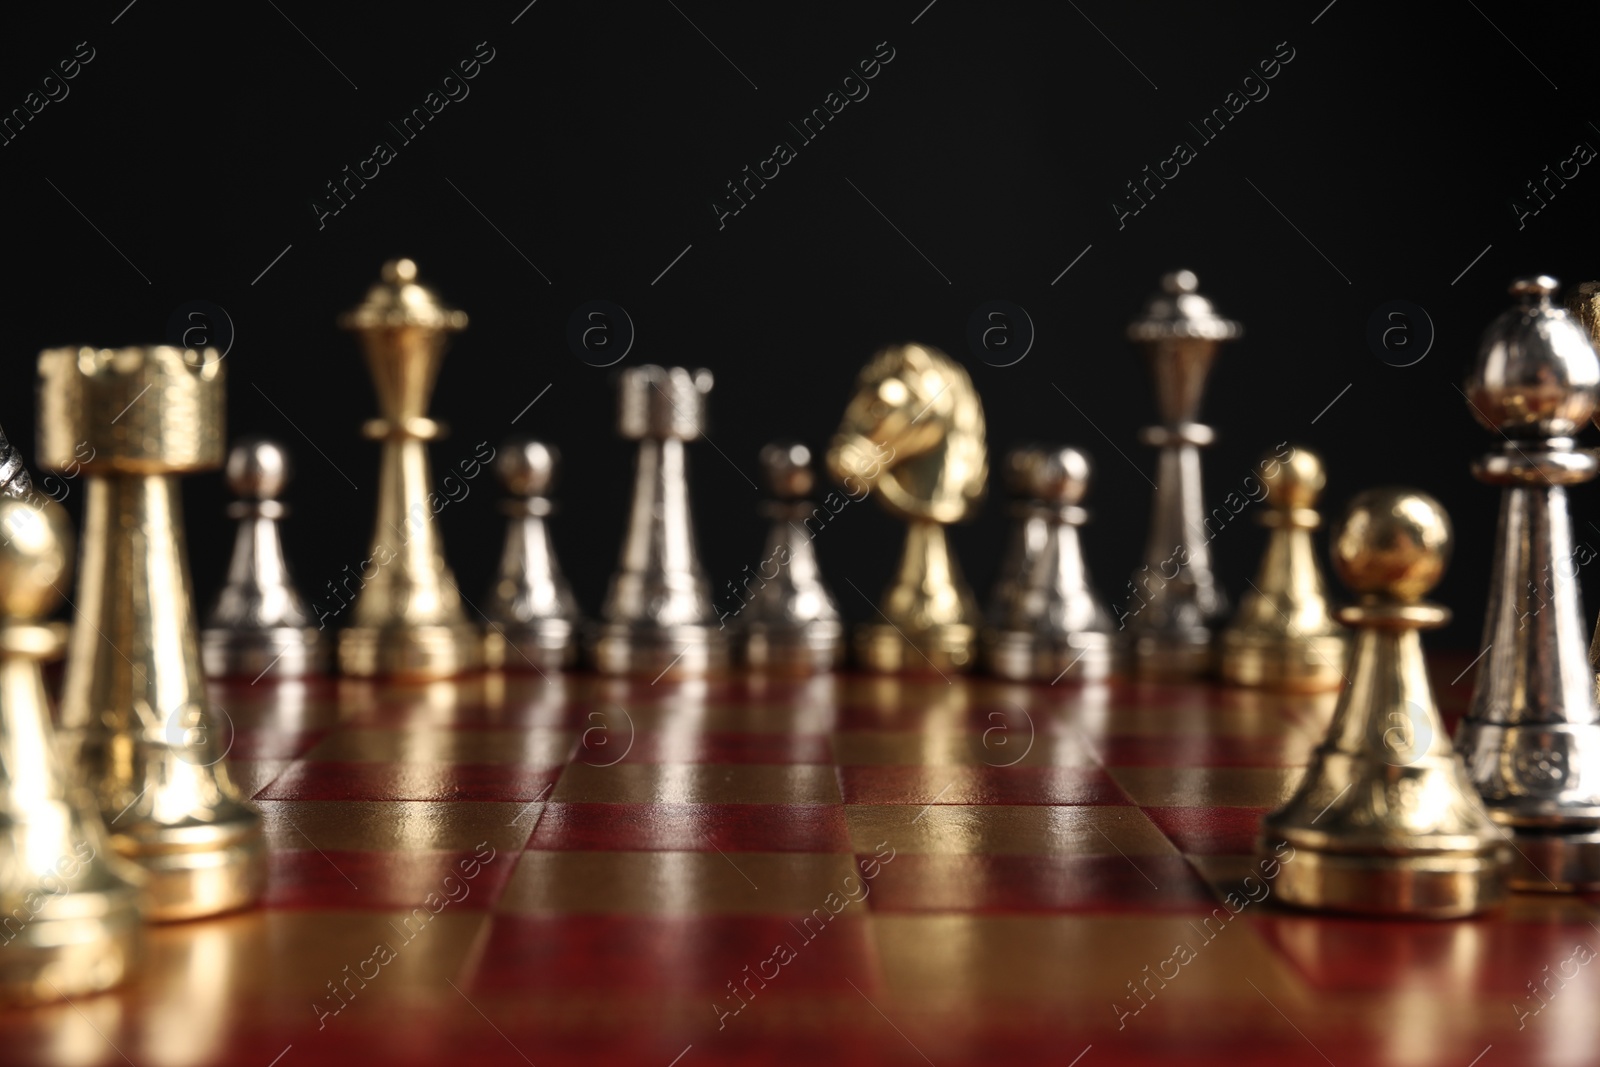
1028, 534
69, 907
1584, 305
1531, 736
1283, 636
914, 435
533, 616
1047, 623
259, 625
407, 619
1385, 821
790, 623
658, 619
134, 712
1169, 633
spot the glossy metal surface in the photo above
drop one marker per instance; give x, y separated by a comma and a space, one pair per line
407, 620
1170, 635
913, 435
1283, 635
69, 918
1046, 623
1386, 821
134, 709
534, 619
259, 624
658, 618
1532, 735
790, 623
1583, 302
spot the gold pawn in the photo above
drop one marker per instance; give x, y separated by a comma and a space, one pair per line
69, 919
1386, 820
1284, 636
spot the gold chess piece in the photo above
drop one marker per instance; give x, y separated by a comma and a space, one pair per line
914, 435
69, 917
133, 705
1386, 821
1284, 636
407, 620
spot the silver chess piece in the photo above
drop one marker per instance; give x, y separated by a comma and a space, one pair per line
533, 616
1028, 534
658, 618
1046, 622
790, 624
1174, 601
259, 624
1531, 737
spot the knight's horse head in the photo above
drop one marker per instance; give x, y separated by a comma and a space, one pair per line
914, 431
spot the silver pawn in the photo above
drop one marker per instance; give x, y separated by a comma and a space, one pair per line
259, 623
658, 618
1047, 622
533, 616
1028, 534
1531, 737
790, 625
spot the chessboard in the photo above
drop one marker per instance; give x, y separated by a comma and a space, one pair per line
846, 869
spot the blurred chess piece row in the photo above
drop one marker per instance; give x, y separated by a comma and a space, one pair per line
913, 436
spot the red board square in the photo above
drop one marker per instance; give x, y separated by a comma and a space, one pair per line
660, 747
1209, 831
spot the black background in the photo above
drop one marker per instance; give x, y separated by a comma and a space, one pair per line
996, 139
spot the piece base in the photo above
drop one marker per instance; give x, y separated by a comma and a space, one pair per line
1551, 862
279, 652
89, 946
655, 652
1167, 657
417, 653
189, 877
1289, 665
1418, 886
939, 650
1020, 656
797, 651
544, 645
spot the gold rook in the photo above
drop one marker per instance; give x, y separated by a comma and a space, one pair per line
133, 704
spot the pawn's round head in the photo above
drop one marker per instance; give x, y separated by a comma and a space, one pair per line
258, 469
35, 558
1020, 464
1392, 543
1296, 482
787, 468
527, 468
1057, 476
